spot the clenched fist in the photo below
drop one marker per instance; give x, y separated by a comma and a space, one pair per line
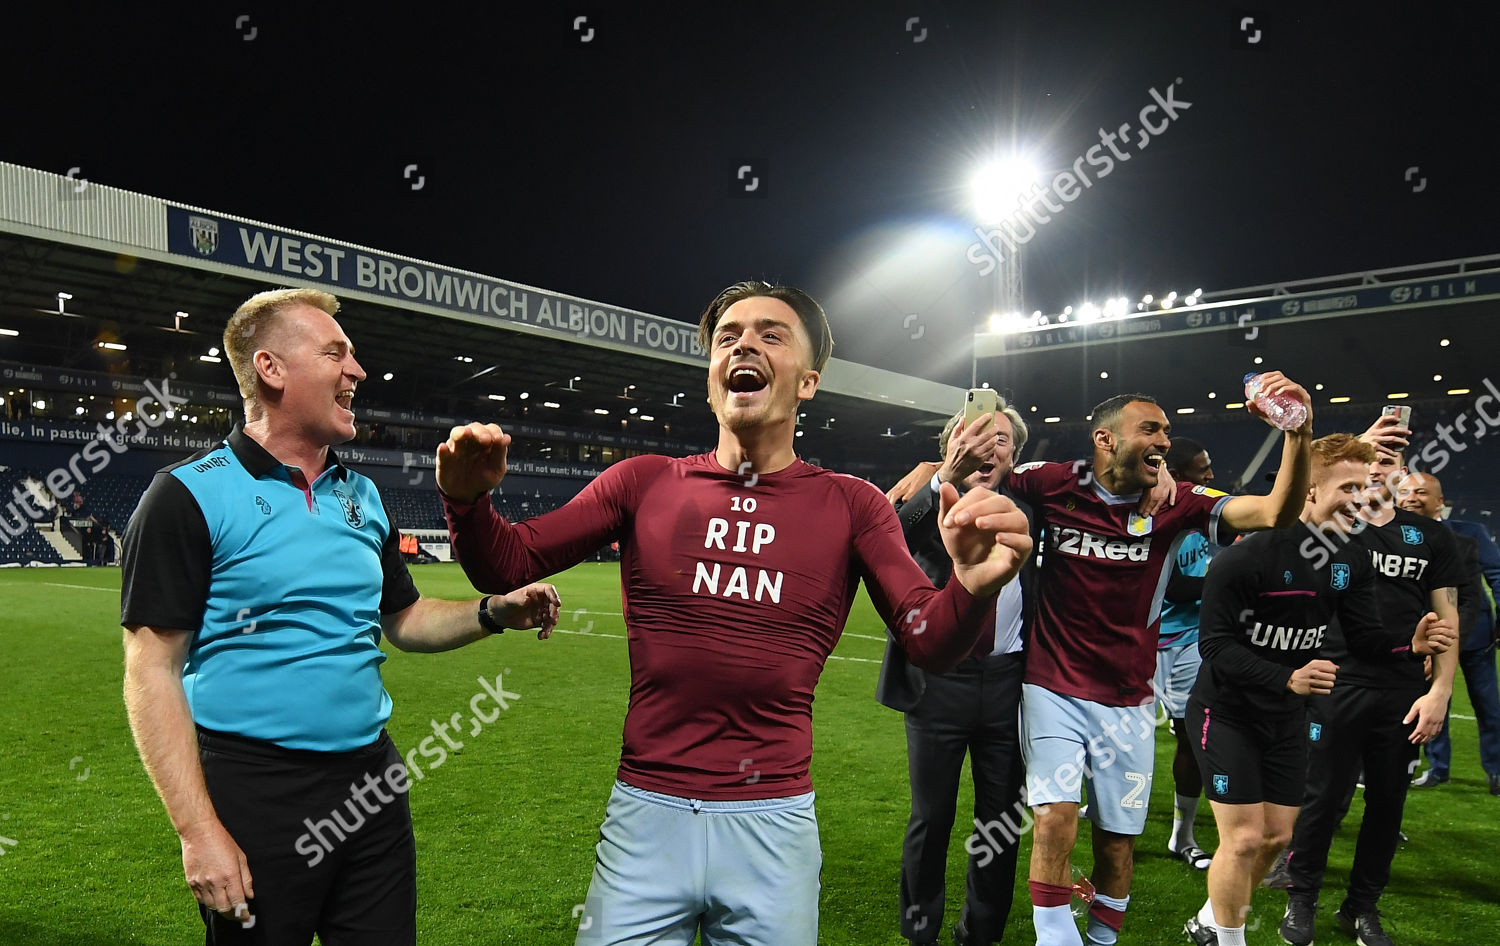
471, 462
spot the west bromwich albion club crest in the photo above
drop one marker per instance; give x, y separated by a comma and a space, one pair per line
1411, 535
1340, 577
205, 232
1138, 525
1221, 784
1314, 731
352, 513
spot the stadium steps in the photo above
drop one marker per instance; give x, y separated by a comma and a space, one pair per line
46, 528
64, 547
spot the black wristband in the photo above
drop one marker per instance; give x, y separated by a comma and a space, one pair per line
485, 621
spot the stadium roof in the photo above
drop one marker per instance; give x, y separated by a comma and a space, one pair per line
1421, 332
1415, 333
84, 265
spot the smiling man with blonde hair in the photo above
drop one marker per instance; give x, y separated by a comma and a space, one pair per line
258, 578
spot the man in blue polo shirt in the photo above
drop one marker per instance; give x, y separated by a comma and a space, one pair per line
258, 578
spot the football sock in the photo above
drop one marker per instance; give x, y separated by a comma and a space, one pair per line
1206, 915
1184, 812
1051, 916
1231, 936
1105, 916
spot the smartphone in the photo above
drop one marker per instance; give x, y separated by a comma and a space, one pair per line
1401, 412
979, 402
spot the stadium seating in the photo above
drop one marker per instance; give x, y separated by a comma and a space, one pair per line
113, 497
30, 546
518, 507
413, 508
422, 509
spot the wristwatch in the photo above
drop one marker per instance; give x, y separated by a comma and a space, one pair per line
485, 621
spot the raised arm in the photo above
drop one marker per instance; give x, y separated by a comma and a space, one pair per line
912, 483
987, 538
167, 741
499, 556
1387, 436
1288, 494
471, 462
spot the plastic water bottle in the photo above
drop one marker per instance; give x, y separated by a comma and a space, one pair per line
1283, 410
1083, 890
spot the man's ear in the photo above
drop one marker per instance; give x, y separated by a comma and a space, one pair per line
269, 369
808, 386
1104, 440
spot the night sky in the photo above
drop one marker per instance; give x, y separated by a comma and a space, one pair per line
606, 168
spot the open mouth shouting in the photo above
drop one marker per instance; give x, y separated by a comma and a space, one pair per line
1155, 460
744, 381
345, 400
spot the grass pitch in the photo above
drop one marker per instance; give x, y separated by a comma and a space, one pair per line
506, 826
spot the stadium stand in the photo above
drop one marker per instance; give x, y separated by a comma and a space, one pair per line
28, 546
413, 508
112, 498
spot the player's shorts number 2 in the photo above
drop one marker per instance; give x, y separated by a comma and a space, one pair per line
1132, 798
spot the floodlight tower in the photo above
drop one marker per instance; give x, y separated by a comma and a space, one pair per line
999, 191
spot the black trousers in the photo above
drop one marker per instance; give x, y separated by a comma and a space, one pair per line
328, 839
972, 711
1355, 726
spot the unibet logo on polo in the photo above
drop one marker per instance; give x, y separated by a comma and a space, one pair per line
1398, 566
1278, 637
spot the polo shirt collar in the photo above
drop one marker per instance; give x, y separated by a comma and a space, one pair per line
258, 461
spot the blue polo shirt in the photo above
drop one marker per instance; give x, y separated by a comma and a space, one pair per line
1179, 620
281, 583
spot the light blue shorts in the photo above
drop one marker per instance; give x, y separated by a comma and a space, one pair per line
743, 872
1068, 742
1176, 670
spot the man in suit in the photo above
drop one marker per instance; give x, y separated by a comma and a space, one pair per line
972, 710
1423, 494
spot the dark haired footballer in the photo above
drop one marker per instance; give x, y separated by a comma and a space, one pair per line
738, 568
1092, 654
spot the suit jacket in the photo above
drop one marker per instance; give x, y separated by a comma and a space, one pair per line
1470, 590
1481, 632
902, 684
